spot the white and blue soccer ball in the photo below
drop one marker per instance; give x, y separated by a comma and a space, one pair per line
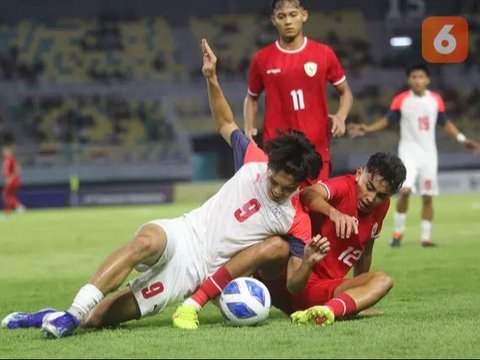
245, 301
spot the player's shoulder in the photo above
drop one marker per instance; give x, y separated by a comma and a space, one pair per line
318, 46
435, 95
402, 95
266, 51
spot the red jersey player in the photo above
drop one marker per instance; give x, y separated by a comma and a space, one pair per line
352, 209
349, 212
293, 72
11, 172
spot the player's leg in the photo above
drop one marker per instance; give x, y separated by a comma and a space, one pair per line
428, 188
409, 185
271, 254
348, 297
147, 247
114, 310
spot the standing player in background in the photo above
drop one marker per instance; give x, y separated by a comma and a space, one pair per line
418, 110
11, 173
294, 72
177, 255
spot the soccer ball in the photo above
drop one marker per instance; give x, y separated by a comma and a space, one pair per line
245, 301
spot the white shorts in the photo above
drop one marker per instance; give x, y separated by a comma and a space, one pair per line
171, 278
422, 171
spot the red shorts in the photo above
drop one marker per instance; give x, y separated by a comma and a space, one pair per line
316, 292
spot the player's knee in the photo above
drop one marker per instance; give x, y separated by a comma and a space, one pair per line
275, 249
149, 241
427, 200
384, 281
405, 192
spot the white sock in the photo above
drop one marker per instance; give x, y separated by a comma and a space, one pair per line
426, 230
87, 298
399, 220
192, 302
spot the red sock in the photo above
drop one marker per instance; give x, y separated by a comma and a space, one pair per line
342, 305
212, 287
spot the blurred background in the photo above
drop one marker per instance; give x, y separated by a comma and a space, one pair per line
107, 104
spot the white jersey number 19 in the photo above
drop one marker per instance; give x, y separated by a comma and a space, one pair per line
298, 101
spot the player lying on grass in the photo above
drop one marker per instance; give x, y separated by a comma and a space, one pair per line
349, 210
177, 255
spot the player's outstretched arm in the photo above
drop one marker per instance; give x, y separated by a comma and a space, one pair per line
357, 130
298, 270
453, 131
363, 264
221, 111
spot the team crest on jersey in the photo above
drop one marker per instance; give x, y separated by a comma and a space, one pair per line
310, 68
374, 230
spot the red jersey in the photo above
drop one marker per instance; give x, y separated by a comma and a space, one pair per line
344, 253
295, 89
9, 165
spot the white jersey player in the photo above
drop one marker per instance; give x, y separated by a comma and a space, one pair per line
177, 255
419, 111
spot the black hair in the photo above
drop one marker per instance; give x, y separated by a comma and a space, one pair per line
275, 3
389, 167
415, 67
293, 153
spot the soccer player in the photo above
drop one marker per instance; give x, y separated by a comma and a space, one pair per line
294, 72
177, 255
418, 110
11, 173
365, 198
273, 252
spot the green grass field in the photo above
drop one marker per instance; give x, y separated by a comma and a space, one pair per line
432, 312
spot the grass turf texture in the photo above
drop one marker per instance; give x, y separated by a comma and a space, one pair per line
432, 312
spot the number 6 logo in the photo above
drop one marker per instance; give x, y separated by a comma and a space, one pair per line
445, 39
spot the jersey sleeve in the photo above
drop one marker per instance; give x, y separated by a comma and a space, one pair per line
297, 246
240, 145
302, 226
441, 115
245, 151
336, 188
394, 113
255, 79
335, 71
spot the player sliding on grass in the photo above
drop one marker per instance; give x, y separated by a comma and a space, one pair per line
349, 211
177, 255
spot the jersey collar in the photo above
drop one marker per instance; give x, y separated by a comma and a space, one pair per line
305, 40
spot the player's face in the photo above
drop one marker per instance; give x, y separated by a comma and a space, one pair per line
288, 19
372, 190
418, 81
280, 186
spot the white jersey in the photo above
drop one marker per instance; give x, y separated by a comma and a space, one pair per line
238, 216
418, 117
241, 214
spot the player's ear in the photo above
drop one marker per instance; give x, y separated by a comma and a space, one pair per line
273, 20
305, 15
358, 173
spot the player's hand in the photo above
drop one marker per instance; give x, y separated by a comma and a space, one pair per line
344, 224
472, 145
356, 130
250, 133
209, 60
338, 125
316, 250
